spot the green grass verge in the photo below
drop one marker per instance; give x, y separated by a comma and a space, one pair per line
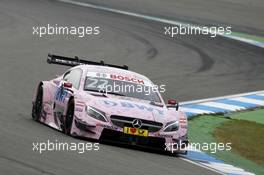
246, 137
202, 130
257, 116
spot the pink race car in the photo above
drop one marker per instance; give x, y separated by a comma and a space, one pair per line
83, 102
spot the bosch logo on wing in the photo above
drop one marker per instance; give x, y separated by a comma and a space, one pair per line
124, 78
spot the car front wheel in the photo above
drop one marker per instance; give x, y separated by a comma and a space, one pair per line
37, 106
69, 118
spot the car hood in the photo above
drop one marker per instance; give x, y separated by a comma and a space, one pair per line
129, 107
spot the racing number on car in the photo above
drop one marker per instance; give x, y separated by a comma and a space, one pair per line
97, 83
60, 94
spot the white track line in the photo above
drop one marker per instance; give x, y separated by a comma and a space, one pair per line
162, 20
202, 165
249, 100
262, 94
222, 97
228, 169
222, 106
196, 111
152, 18
245, 40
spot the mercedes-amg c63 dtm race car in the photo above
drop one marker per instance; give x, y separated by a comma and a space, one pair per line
78, 104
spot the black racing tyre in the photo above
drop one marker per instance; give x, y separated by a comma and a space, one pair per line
37, 106
69, 118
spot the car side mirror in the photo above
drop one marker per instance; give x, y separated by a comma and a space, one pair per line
172, 103
67, 85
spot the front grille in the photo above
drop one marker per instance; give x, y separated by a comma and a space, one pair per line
119, 137
123, 121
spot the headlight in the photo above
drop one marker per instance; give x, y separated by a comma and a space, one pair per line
96, 113
171, 126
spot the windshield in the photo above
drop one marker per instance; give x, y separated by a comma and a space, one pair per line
121, 88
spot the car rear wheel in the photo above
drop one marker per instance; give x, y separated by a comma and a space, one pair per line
37, 106
69, 118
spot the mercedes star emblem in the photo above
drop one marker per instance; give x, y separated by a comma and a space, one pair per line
137, 123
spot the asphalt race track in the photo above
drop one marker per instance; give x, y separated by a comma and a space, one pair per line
192, 67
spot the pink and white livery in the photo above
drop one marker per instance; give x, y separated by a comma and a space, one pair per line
83, 103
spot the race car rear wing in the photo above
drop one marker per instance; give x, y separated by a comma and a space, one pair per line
67, 61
